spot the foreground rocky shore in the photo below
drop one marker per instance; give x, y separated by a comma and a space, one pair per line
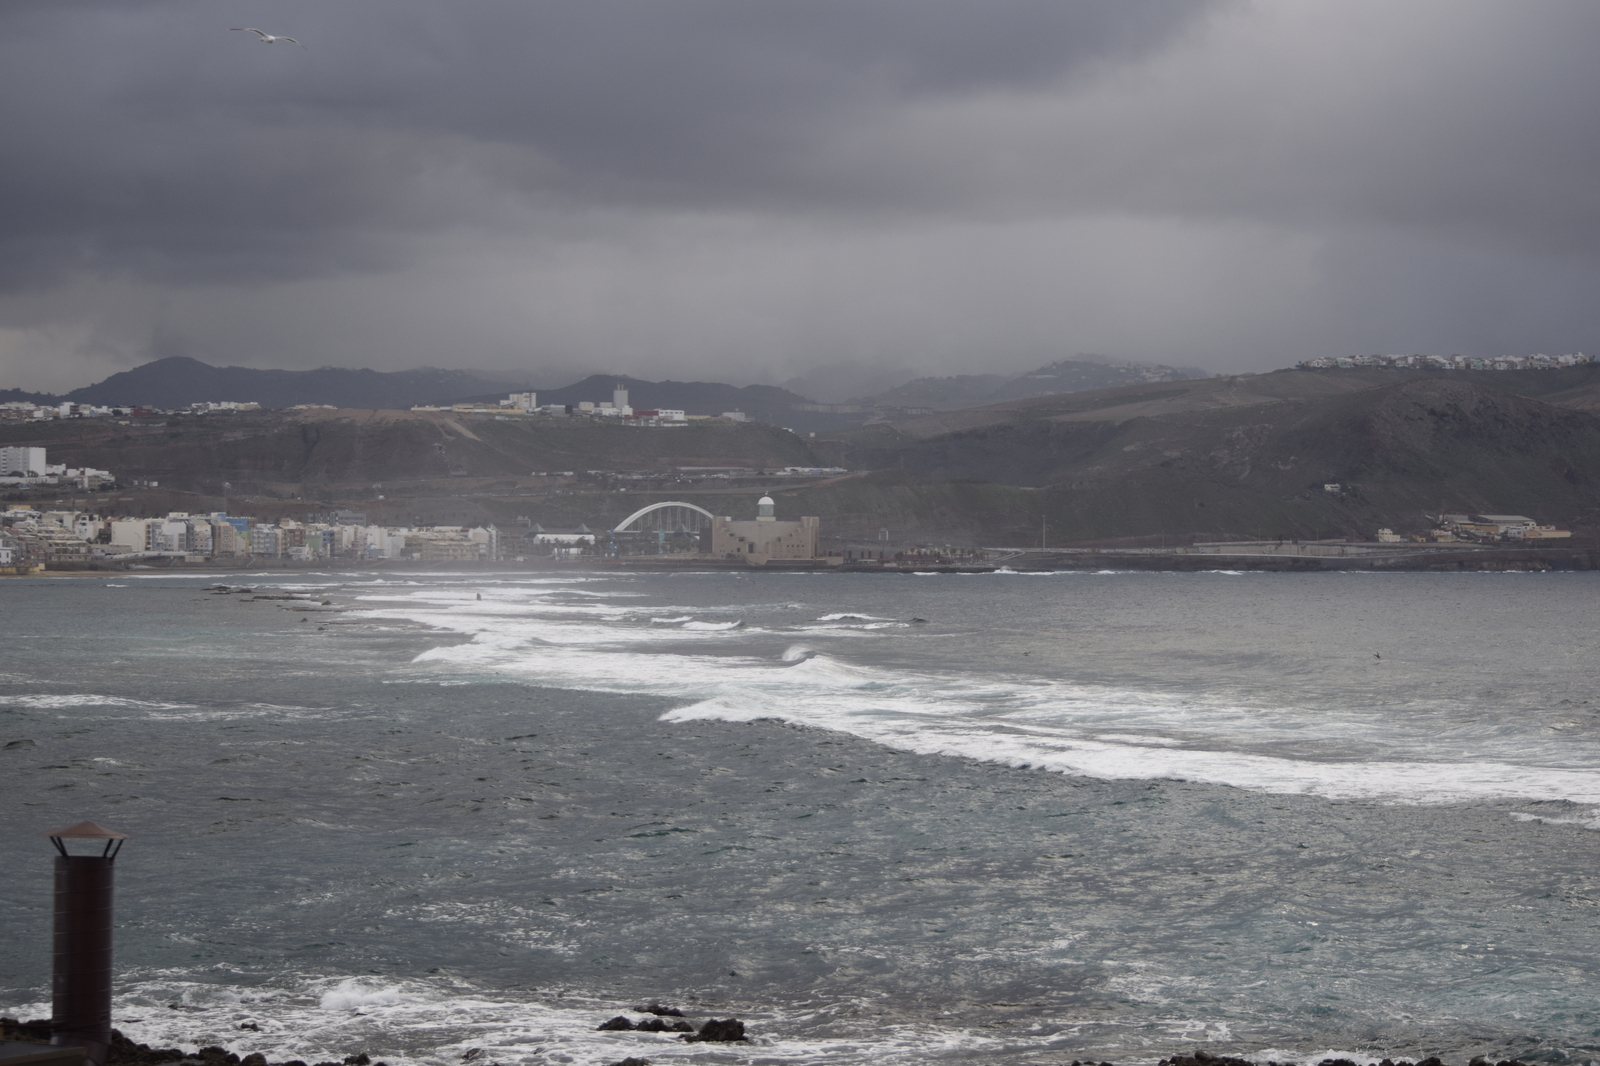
125, 1052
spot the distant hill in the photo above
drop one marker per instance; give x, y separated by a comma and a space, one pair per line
1066, 375
1212, 458
179, 381
836, 383
1238, 457
23, 396
315, 449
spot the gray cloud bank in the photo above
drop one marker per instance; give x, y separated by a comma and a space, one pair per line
742, 190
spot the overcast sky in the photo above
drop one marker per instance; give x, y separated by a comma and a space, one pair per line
748, 189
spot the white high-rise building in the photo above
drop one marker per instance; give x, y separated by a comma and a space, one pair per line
619, 396
23, 462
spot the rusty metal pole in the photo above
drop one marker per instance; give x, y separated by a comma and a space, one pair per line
81, 981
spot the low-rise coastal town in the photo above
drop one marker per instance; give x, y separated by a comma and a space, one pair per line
32, 539
21, 410
517, 404
1448, 362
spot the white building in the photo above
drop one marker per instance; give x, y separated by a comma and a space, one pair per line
132, 534
22, 462
266, 541
487, 538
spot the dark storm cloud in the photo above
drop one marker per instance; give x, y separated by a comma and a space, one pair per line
745, 189
148, 137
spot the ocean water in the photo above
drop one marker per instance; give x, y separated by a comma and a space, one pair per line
1004, 818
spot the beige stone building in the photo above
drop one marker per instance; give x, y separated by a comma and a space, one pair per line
764, 539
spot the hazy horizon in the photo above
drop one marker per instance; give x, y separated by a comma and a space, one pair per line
723, 191
827, 384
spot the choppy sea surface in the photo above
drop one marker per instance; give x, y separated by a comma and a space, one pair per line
1005, 818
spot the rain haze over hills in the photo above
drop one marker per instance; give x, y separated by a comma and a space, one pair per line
713, 190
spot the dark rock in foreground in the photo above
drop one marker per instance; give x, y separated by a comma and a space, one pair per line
657, 1025
125, 1052
727, 1030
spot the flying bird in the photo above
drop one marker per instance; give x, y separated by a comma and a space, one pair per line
266, 38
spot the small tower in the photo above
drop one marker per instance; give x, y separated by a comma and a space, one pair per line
764, 510
619, 396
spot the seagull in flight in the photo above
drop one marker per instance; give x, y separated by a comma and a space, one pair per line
266, 38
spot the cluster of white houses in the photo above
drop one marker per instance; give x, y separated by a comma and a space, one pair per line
517, 403
33, 538
44, 412
1449, 362
527, 403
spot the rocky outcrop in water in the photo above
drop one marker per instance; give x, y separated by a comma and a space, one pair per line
621, 1024
725, 1030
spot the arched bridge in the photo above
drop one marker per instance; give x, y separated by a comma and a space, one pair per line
668, 515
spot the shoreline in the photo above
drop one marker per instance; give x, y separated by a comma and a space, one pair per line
126, 1052
1525, 560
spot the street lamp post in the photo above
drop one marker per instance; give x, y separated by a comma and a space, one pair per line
81, 979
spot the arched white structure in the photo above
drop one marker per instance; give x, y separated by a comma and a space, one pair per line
622, 527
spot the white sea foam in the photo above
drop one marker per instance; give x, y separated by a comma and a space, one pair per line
1028, 723
440, 1023
353, 994
49, 702
1590, 822
1045, 723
